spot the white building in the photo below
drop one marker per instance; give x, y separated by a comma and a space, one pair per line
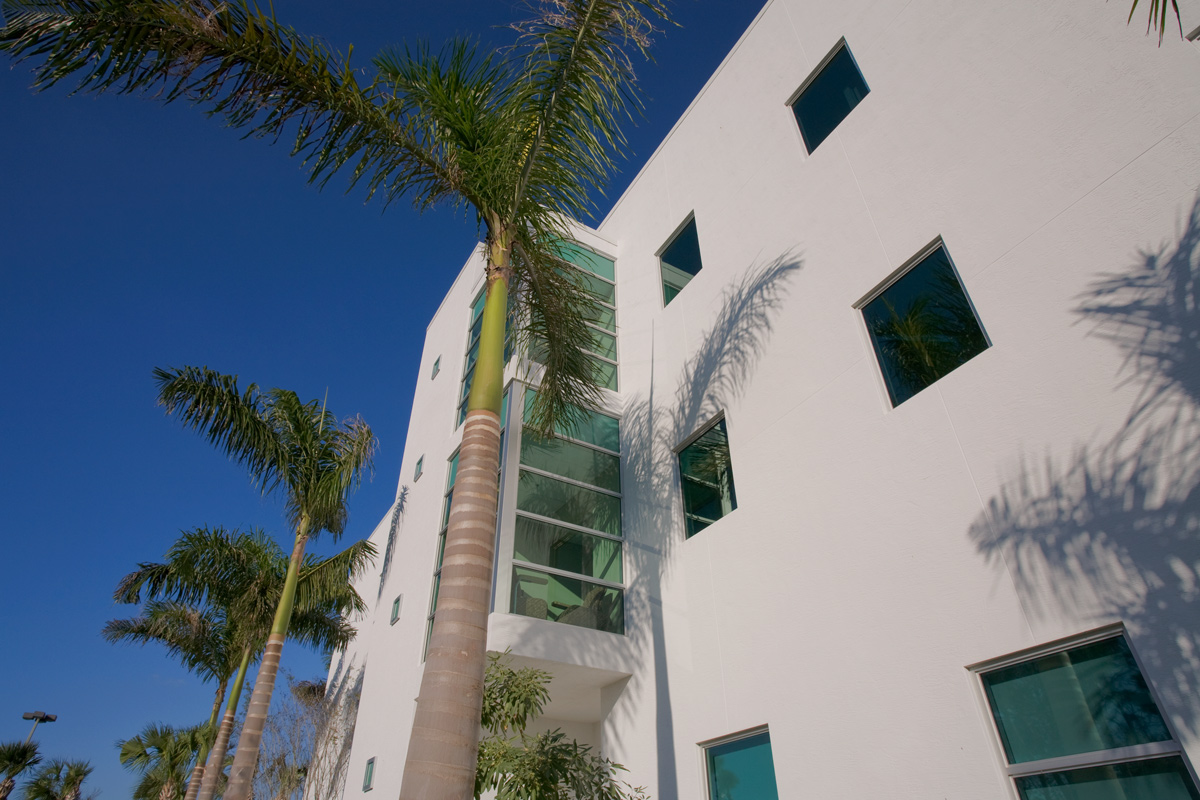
954, 545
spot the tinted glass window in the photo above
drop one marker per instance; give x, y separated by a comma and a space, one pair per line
923, 327
680, 261
742, 770
707, 474
829, 97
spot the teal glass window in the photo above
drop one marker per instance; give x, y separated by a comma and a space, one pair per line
369, 775
568, 502
829, 96
571, 460
742, 769
707, 475
474, 332
922, 326
417, 471
559, 598
1076, 701
1083, 707
549, 545
437, 367
396, 608
591, 427
680, 261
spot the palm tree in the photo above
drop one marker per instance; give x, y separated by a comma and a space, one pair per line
1157, 18
58, 780
15, 758
286, 443
163, 756
240, 577
523, 137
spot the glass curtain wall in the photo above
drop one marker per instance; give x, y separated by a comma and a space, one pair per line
476, 327
567, 552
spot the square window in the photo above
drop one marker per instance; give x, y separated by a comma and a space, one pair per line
680, 260
741, 768
1079, 722
828, 96
707, 476
922, 326
437, 367
396, 608
418, 469
369, 775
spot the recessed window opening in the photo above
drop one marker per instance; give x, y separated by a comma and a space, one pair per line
396, 608
1078, 721
741, 768
922, 325
680, 260
596, 275
707, 476
417, 470
369, 775
437, 367
828, 96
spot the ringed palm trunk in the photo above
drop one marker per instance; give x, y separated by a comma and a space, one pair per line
241, 775
6, 787
215, 765
445, 735
193, 784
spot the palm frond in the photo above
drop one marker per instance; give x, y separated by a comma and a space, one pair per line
1157, 18
16, 757
328, 583
232, 420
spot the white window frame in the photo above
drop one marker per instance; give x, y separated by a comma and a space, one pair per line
1141, 752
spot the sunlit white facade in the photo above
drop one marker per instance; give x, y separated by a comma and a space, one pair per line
882, 563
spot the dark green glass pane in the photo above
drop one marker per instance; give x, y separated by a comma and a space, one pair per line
477, 307
573, 602
452, 474
562, 548
923, 327
1079, 701
442, 539
680, 261
592, 262
504, 409
591, 427
571, 460
466, 383
1154, 779
446, 509
742, 770
606, 374
830, 97
708, 491
472, 357
567, 502
603, 291
462, 413
603, 316
437, 585
476, 327
604, 344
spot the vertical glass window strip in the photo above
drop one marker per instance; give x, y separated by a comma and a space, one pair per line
596, 276
742, 769
829, 97
396, 608
680, 261
1067, 720
474, 331
369, 775
923, 327
417, 469
707, 476
437, 367
567, 553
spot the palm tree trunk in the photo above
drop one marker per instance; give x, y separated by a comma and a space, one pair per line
193, 784
6, 787
241, 775
445, 737
215, 765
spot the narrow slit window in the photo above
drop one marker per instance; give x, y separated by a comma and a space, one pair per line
418, 469
680, 261
437, 367
828, 97
396, 608
369, 775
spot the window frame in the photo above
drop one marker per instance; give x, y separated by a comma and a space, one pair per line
396, 605
690, 218
418, 470
1096, 758
711, 423
614, 363
840, 45
704, 746
888, 282
437, 367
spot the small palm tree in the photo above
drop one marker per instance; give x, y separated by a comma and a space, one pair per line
15, 758
163, 756
58, 780
316, 460
240, 577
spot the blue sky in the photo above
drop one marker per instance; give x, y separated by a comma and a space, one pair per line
134, 235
